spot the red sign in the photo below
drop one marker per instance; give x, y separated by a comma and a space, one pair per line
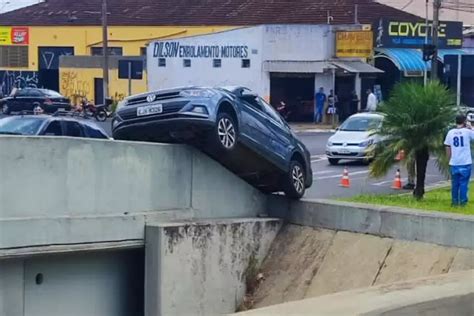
20, 36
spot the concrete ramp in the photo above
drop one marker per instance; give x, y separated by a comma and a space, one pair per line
306, 262
63, 192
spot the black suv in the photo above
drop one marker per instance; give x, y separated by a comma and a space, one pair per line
46, 125
30, 98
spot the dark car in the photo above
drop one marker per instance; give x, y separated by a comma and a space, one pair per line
47, 125
232, 124
29, 98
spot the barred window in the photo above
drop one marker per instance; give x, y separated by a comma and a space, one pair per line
113, 51
13, 56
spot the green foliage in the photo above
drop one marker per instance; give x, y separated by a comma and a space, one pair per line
416, 118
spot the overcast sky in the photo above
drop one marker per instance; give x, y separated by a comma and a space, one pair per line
8, 5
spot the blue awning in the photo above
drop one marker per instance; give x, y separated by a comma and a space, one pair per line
444, 52
405, 59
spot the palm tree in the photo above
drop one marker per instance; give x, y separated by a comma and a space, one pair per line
416, 121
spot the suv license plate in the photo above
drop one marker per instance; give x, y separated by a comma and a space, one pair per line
344, 151
150, 110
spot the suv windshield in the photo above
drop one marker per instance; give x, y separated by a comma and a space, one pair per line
20, 125
361, 124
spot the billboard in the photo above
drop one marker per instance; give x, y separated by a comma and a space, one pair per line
399, 34
14, 35
354, 44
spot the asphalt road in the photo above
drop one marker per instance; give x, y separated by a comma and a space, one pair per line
326, 178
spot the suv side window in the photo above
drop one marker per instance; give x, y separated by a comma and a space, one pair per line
268, 109
94, 133
54, 129
73, 129
253, 103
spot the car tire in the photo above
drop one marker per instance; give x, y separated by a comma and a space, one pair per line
6, 109
333, 161
225, 133
294, 181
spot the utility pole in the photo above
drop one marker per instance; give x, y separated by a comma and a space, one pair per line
105, 51
425, 73
435, 27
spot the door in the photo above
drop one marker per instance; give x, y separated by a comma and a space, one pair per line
98, 90
49, 65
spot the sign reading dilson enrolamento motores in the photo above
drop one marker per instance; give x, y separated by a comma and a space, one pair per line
177, 50
393, 34
354, 44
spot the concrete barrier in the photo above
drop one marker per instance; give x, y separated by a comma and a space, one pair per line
444, 229
449, 294
63, 191
201, 268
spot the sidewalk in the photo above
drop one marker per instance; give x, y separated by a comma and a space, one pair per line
311, 128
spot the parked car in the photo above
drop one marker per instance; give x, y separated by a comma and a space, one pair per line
29, 98
231, 124
353, 138
46, 125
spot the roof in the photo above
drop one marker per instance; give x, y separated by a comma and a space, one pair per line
200, 12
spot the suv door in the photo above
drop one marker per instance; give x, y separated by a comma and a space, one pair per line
73, 129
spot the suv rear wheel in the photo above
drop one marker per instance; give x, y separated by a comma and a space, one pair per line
294, 181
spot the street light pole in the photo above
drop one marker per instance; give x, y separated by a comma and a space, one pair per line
434, 61
105, 51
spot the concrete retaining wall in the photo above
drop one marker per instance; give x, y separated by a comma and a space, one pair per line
60, 191
433, 227
450, 294
201, 268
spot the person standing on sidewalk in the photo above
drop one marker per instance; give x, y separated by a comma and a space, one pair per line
331, 111
411, 168
371, 101
458, 147
319, 100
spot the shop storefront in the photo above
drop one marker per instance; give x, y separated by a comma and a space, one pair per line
398, 52
283, 63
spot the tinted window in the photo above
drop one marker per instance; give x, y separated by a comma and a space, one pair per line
252, 102
361, 124
73, 129
20, 125
34, 93
270, 111
51, 93
22, 93
54, 128
94, 132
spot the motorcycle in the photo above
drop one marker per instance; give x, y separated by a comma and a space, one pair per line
99, 112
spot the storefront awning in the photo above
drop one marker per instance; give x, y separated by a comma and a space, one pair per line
444, 52
296, 66
356, 66
405, 59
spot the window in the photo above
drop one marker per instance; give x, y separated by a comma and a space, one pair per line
113, 51
270, 111
54, 129
73, 129
142, 51
217, 63
245, 63
161, 62
20, 125
13, 56
51, 93
186, 63
94, 133
34, 93
22, 93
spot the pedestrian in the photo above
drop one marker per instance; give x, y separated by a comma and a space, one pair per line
354, 108
411, 168
319, 100
458, 148
371, 101
332, 101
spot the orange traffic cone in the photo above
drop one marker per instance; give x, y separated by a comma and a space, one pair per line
397, 183
345, 182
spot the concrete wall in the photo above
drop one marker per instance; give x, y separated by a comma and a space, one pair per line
94, 284
440, 228
201, 268
60, 191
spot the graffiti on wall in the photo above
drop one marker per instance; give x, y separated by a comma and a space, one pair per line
74, 87
17, 79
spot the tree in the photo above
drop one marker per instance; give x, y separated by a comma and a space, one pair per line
416, 121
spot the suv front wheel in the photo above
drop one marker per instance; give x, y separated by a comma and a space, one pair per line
294, 181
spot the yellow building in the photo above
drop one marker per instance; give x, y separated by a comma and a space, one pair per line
30, 56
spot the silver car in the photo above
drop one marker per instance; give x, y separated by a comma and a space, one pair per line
353, 138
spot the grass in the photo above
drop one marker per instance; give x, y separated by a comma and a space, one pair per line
435, 200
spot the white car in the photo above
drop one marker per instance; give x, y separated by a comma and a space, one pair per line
353, 138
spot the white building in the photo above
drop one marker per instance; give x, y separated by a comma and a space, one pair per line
280, 62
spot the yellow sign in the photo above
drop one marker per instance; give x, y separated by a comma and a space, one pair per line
14, 35
354, 44
5, 35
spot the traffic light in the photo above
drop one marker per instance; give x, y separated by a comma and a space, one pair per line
428, 51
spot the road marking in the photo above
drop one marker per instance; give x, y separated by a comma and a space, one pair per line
323, 172
338, 175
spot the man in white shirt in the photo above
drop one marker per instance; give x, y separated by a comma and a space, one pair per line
458, 147
371, 101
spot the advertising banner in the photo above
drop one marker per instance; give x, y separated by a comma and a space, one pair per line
14, 35
354, 44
